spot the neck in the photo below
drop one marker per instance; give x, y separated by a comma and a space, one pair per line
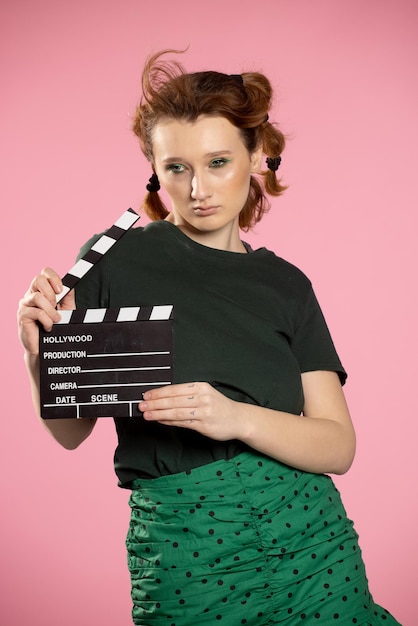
224, 239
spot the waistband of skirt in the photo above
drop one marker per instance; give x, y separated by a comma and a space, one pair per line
245, 462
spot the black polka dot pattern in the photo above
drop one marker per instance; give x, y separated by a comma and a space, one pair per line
247, 541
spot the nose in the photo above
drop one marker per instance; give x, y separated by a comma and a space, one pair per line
200, 187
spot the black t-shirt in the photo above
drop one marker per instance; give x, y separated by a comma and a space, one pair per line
249, 324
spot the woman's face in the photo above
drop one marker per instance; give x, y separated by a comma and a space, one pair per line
205, 169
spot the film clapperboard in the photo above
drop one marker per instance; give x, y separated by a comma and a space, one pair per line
98, 362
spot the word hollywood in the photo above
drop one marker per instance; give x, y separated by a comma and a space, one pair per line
68, 338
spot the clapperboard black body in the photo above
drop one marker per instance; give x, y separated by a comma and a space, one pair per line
98, 362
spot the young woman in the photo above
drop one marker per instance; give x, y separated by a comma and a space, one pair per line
234, 518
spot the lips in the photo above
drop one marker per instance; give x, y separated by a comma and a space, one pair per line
205, 211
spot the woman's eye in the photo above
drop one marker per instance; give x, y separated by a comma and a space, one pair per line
176, 168
219, 162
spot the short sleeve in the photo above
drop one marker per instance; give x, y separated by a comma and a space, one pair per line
312, 344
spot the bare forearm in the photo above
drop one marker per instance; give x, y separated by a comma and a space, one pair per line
318, 445
322, 441
69, 433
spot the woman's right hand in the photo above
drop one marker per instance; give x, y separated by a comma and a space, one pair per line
38, 305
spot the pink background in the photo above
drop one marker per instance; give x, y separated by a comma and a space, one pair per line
346, 80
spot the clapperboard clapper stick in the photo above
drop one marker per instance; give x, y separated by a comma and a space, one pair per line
97, 251
98, 362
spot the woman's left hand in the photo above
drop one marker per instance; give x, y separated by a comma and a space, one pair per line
321, 440
197, 406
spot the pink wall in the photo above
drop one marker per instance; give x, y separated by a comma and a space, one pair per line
347, 97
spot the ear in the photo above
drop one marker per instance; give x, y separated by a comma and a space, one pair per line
256, 158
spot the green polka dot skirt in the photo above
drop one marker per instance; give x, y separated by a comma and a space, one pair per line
246, 541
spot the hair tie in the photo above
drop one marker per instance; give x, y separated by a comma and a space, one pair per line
238, 78
154, 184
273, 163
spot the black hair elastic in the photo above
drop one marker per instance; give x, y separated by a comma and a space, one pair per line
238, 78
154, 184
273, 163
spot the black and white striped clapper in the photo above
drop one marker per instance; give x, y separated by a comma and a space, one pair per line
97, 251
98, 362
